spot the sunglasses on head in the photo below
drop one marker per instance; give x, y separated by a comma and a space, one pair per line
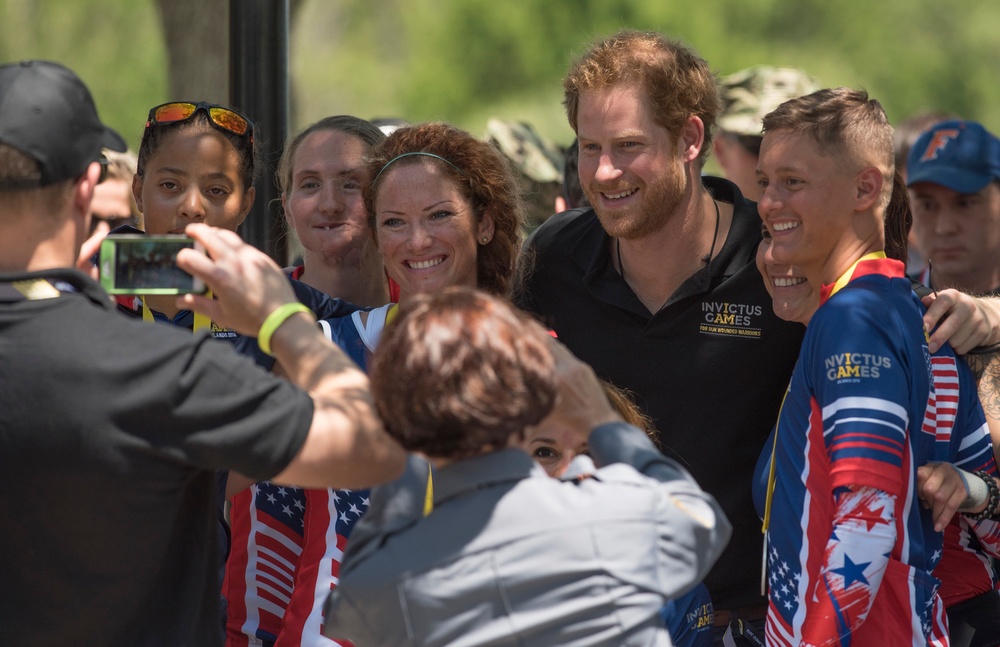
223, 118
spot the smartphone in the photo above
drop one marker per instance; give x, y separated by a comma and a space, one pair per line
140, 264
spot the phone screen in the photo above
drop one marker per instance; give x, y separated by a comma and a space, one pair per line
135, 264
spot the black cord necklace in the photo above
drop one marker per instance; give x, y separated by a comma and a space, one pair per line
707, 259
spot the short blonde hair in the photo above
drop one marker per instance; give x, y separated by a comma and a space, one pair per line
843, 121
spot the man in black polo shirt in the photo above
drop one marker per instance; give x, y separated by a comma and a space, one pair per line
111, 430
656, 287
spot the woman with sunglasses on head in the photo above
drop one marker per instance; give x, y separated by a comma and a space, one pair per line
196, 165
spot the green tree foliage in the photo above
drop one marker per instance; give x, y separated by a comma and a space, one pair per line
465, 60
116, 46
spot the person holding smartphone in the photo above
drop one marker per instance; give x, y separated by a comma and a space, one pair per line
116, 546
196, 165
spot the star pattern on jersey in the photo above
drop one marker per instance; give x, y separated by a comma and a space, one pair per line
927, 616
783, 583
872, 512
351, 504
282, 503
852, 572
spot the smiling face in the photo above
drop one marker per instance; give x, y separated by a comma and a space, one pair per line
192, 176
631, 170
806, 202
792, 296
323, 203
960, 234
427, 231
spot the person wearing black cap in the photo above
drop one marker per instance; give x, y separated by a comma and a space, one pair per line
110, 530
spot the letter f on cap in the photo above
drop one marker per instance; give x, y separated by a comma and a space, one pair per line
938, 142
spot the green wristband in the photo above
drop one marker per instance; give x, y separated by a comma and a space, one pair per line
274, 321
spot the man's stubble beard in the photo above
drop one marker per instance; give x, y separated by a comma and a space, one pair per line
659, 202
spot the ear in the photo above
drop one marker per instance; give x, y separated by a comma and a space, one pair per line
137, 192
868, 185
83, 188
691, 139
248, 198
486, 229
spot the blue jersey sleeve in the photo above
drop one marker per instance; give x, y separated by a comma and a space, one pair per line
860, 378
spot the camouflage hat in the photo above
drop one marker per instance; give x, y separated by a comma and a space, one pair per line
532, 155
750, 94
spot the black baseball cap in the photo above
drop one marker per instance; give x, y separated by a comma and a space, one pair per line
47, 113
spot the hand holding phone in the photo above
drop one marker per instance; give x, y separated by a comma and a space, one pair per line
139, 264
246, 283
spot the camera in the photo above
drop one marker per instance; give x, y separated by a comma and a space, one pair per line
140, 264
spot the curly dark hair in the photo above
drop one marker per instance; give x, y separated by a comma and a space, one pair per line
486, 180
898, 221
460, 372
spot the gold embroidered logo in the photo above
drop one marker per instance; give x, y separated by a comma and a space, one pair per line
730, 319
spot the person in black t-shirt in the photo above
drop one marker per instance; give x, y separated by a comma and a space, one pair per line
112, 430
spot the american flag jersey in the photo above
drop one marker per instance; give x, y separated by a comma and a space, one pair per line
330, 514
329, 517
850, 551
965, 570
276, 593
267, 528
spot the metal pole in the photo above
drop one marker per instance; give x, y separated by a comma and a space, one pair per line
258, 86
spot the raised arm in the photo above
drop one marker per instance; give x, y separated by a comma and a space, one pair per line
346, 446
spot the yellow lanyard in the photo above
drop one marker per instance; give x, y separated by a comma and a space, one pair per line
771, 478
429, 495
390, 317
770, 475
392, 314
200, 321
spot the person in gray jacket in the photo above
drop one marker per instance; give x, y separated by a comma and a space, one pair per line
484, 548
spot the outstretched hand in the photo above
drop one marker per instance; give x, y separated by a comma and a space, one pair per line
964, 321
245, 283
